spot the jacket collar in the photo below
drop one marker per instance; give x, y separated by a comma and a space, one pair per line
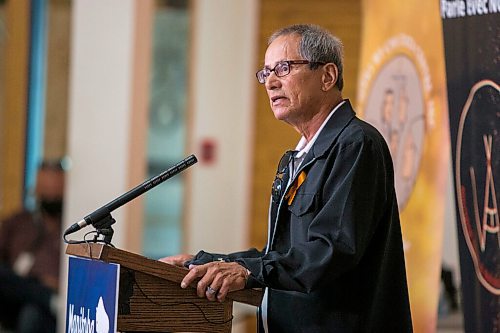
335, 125
333, 128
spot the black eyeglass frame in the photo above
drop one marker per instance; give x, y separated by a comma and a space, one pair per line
277, 68
278, 183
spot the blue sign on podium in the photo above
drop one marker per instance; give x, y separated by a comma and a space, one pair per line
92, 305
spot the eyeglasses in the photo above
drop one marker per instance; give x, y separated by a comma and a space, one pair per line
282, 68
279, 180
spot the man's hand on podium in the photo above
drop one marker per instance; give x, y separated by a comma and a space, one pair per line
177, 260
216, 279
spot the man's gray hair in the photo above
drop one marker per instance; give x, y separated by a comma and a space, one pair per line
316, 45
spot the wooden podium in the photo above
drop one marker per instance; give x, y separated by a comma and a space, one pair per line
151, 299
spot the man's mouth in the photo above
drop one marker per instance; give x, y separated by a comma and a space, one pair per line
276, 98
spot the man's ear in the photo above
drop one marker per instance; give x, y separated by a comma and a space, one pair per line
330, 76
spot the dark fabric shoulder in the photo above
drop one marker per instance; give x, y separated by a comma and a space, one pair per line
359, 130
362, 133
18, 218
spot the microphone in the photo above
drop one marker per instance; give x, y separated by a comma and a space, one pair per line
101, 214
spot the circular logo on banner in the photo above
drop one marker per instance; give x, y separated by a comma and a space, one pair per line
477, 168
396, 105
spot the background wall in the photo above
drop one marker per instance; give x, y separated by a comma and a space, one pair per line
15, 50
221, 102
57, 82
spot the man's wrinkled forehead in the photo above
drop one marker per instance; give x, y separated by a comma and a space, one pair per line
282, 48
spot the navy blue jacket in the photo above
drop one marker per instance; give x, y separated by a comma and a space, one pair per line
334, 260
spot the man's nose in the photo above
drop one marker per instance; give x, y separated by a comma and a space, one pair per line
272, 81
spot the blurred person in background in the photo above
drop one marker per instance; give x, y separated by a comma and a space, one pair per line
29, 257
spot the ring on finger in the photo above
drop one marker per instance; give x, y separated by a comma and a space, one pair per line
211, 290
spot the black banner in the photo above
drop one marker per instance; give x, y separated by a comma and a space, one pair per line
472, 50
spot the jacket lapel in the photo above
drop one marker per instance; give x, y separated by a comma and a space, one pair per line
335, 125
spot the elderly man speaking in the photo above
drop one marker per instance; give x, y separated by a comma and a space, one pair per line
334, 258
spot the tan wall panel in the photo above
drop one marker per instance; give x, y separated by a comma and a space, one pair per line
273, 138
13, 109
144, 21
56, 111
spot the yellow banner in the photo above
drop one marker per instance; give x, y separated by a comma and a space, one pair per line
402, 92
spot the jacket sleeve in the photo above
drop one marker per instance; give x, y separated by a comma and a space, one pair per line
250, 253
350, 204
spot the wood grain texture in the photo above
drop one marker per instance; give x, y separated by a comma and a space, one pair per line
157, 302
160, 305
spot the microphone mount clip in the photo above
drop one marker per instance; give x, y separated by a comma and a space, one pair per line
103, 227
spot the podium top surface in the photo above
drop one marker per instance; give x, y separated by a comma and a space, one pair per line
153, 267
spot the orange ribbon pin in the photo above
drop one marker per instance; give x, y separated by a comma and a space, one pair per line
295, 187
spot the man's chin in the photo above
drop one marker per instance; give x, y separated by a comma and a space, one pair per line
280, 114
